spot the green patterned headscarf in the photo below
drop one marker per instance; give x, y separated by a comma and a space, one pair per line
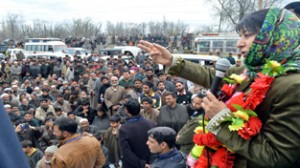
278, 39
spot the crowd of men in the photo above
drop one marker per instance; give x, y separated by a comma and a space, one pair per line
96, 95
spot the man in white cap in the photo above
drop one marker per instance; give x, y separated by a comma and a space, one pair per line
45, 162
84, 126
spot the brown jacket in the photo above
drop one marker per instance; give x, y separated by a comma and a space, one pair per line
79, 152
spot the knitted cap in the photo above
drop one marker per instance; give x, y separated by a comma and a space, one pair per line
51, 149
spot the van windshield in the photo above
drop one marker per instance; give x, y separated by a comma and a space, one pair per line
59, 48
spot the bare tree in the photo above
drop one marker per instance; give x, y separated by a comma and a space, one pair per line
230, 12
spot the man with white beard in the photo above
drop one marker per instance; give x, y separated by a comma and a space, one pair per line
114, 95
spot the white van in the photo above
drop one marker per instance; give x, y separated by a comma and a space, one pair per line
52, 48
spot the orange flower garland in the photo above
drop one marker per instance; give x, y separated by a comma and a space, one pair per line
244, 120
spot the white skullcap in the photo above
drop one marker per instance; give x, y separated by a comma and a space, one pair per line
7, 106
3, 95
83, 120
51, 149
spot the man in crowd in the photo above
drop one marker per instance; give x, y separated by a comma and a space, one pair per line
135, 151
183, 96
127, 79
43, 109
45, 162
168, 84
148, 111
148, 92
75, 150
150, 77
25, 106
172, 115
161, 91
137, 89
161, 141
85, 127
63, 104
33, 154
185, 135
85, 111
114, 95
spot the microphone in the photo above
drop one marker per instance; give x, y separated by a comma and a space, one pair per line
222, 65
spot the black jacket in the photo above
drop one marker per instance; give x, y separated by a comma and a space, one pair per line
135, 151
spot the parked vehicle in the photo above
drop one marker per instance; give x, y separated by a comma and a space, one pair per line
40, 47
78, 52
13, 52
131, 51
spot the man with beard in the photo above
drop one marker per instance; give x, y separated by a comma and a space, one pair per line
45, 162
161, 91
43, 109
85, 127
183, 96
63, 104
114, 96
104, 85
172, 115
75, 150
150, 78
168, 84
137, 89
186, 133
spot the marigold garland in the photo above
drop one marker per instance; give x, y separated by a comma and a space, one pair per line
244, 121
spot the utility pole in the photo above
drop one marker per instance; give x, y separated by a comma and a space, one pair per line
260, 4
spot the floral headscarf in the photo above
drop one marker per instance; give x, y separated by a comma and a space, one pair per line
278, 39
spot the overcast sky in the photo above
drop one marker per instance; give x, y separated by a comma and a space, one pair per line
193, 12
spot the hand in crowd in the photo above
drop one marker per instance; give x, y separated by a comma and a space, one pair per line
212, 105
115, 107
158, 53
18, 128
147, 166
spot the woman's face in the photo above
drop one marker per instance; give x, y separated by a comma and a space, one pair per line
245, 42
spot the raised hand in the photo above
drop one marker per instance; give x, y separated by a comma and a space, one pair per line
159, 54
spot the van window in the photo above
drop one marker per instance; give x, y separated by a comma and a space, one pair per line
204, 46
50, 48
